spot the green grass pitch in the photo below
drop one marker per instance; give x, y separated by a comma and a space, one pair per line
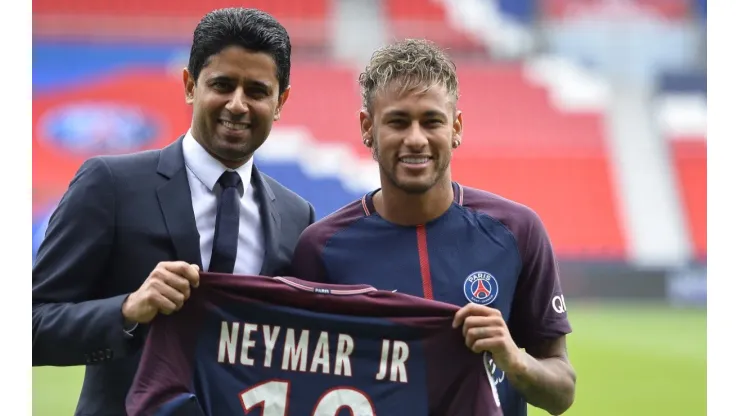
631, 360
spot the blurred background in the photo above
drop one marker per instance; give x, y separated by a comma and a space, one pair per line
592, 112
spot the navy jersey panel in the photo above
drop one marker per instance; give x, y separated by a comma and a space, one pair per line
220, 382
282, 345
182, 405
484, 249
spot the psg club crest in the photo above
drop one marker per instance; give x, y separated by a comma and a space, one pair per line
480, 288
99, 127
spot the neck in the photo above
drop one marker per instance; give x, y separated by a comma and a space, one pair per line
231, 164
403, 208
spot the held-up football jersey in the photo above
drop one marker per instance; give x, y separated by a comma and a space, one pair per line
484, 249
281, 346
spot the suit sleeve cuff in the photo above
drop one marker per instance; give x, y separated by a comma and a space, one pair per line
126, 334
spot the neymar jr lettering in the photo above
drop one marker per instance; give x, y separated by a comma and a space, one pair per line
296, 354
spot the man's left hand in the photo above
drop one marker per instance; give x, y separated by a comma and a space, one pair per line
484, 329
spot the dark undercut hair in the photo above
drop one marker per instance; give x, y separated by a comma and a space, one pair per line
251, 29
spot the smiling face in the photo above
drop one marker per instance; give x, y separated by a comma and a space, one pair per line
412, 134
235, 101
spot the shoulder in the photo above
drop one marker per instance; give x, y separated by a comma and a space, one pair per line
123, 168
498, 207
111, 169
128, 161
521, 220
318, 233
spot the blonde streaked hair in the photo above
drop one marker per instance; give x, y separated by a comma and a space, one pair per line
411, 65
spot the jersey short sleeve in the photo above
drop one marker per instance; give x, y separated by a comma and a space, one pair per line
538, 311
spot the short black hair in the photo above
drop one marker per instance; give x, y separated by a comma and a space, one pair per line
251, 29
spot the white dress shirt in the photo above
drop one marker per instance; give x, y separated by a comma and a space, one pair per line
203, 173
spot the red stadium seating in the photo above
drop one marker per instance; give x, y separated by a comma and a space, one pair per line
282, 9
427, 19
306, 21
553, 161
515, 143
566, 9
54, 166
690, 164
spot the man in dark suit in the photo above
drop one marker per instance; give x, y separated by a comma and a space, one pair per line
129, 236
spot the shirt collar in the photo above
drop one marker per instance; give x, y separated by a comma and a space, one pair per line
206, 168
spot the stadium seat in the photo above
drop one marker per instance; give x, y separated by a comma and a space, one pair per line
517, 142
690, 165
306, 21
681, 117
552, 160
568, 9
427, 19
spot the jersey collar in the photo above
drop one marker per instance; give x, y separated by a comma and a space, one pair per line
369, 208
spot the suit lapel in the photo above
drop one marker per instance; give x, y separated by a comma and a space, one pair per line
270, 221
176, 204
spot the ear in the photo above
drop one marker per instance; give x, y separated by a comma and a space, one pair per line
189, 83
457, 128
282, 98
366, 127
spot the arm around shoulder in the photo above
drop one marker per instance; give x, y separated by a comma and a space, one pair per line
70, 325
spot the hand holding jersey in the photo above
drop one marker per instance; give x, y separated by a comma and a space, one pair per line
164, 291
484, 329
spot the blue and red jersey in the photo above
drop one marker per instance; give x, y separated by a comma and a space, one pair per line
484, 249
284, 347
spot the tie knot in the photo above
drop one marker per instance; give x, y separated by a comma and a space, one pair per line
229, 179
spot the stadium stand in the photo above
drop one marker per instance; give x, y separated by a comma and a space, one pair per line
428, 19
527, 149
666, 9
526, 135
307, 21
681, 114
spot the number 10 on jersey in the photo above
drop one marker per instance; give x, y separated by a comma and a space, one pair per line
272, 396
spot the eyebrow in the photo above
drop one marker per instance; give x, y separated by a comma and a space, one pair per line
226, 78
428, 113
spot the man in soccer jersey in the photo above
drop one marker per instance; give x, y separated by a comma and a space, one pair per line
425, 235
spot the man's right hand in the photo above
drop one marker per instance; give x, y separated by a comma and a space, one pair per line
164, 291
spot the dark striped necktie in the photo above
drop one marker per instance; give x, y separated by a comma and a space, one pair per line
226, 234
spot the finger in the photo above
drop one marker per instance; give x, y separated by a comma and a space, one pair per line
471, 309
193, 275
475, 334
186, 270
486, 344
170, 293
175, 281
172, 266
461, 314
480, 321
496, 343
164, 305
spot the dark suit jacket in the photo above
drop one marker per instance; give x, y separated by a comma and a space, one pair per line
120, 217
